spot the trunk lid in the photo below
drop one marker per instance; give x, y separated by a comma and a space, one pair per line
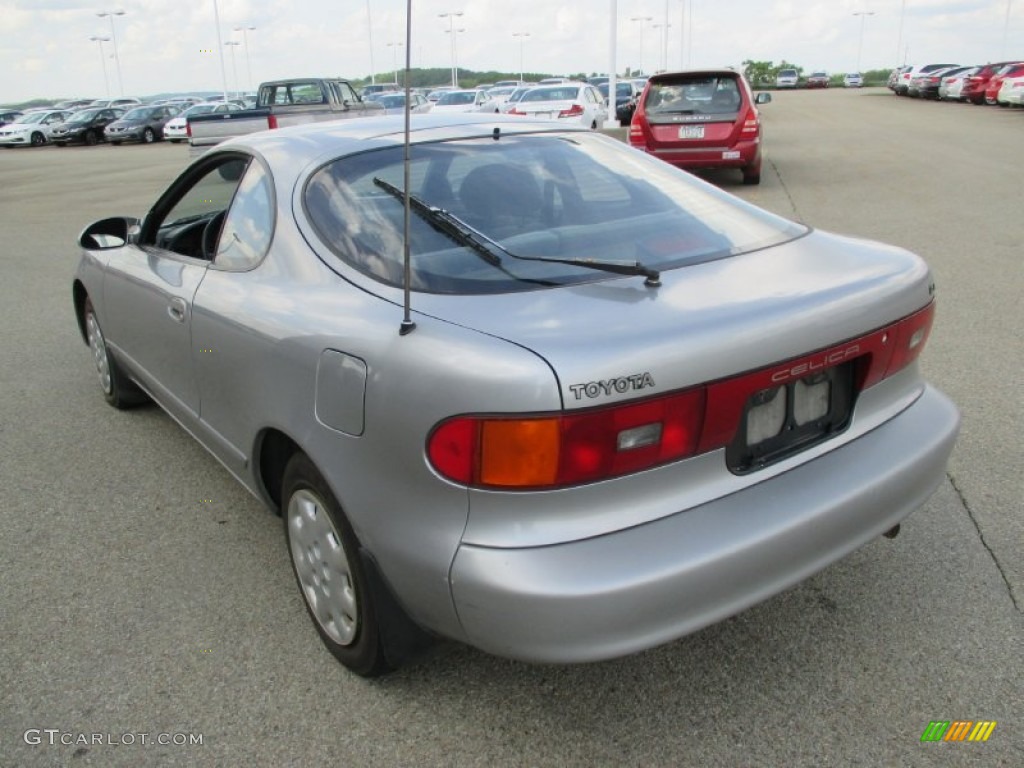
707, 321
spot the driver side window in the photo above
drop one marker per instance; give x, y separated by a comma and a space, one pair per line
191, 226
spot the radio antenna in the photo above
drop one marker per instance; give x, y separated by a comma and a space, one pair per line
407, 324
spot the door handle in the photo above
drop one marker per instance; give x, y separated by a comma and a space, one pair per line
178, 310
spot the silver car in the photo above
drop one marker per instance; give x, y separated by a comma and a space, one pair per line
605, 405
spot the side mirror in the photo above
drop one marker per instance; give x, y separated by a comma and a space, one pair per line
109, 233
762, 98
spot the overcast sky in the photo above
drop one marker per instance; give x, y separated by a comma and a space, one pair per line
45, 50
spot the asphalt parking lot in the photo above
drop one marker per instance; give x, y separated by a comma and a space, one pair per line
144, 592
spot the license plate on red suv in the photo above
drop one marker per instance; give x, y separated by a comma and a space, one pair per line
782, 420
691, 132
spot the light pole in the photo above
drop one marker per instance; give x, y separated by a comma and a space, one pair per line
612, 120
103, 60
245, 30
369, 37
642, 20
113, 38
220, 51
689, 35
1006, 27
664, 37
682, 34
860, 45
522, 39
450, 15
394, 57
899, 39
234, 65
455, 55
664, 41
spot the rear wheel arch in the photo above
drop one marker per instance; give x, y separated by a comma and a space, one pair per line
79, 295
274, 450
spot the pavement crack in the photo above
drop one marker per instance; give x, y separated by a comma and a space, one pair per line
981, 538
782, 182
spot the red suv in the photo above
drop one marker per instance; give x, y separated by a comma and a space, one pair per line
701, 119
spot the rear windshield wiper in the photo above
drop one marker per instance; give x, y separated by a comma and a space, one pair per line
443, 222
461, 232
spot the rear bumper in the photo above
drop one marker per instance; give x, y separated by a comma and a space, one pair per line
740, 155
641, 587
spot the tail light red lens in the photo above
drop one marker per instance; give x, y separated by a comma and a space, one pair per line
188, 129
562, 449
515, 111
751, 124
272, 122
576, 110
556, 450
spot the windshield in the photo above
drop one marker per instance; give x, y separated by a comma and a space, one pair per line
549, 94
141, 113
555, 196
84, 117
621, 90
198, 109
391, 100
694, 95
34, 117
457, 97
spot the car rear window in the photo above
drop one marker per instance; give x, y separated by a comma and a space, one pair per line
694, 95
566, 196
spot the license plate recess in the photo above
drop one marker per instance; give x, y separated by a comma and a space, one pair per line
782, 420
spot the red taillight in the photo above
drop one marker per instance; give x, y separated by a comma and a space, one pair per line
558, 450
909, 337
555, 450
188, 129
576, 110
272, 122
751, 124
515, 111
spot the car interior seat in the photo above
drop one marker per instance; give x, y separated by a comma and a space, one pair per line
501, 200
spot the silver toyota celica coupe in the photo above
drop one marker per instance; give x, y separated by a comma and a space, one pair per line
621, 405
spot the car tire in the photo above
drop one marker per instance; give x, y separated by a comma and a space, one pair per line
326, 562
148, 137
118, 390
38, 139
91, 138
752, 177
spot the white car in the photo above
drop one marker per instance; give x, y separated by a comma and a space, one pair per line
176, 129
496, 97
787, 78
853, 80
952, 85
463, 100
571, 102
33, 129
1011, 92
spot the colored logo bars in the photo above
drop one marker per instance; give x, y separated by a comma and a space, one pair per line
958, 730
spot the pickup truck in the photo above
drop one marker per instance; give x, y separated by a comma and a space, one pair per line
280, 103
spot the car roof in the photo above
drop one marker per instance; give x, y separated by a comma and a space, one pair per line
662, 77
326, 139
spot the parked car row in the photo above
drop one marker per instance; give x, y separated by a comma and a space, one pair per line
790, 78
999, 83
92, 121
561, 99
